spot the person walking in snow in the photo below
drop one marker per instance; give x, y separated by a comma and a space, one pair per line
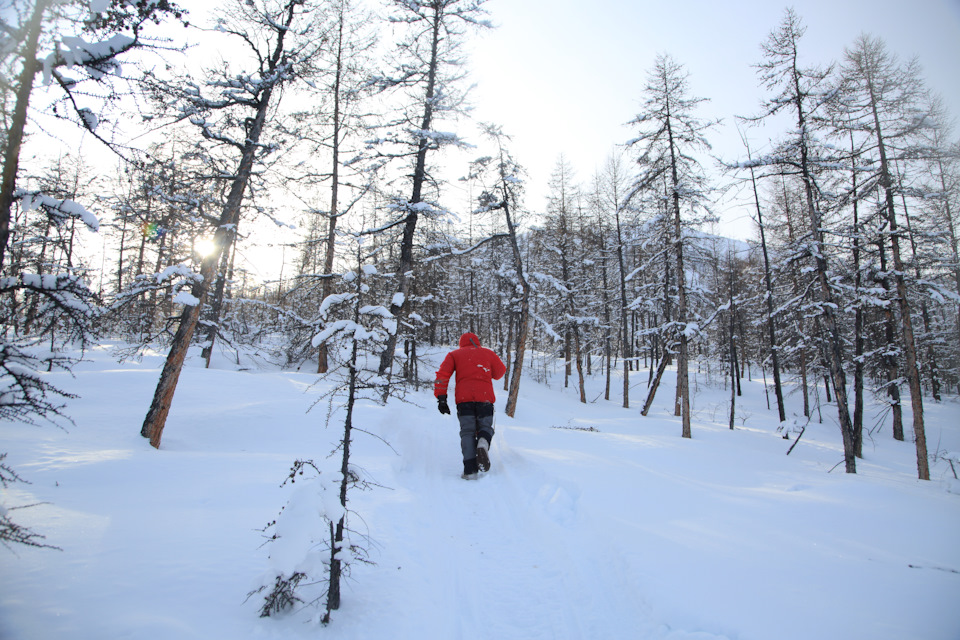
476, 368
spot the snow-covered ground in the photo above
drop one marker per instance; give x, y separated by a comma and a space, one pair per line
594, 522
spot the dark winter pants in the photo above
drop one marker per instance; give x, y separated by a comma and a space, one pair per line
476, 421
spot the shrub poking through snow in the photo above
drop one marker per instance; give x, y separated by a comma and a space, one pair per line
299, 549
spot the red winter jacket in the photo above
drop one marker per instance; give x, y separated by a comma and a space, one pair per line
476, 368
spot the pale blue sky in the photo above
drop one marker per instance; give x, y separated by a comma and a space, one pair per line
563, 76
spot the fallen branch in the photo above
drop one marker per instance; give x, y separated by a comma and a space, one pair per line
797, 440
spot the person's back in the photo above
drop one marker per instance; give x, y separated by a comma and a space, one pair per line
476, 367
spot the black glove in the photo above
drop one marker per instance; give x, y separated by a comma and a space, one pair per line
442, 405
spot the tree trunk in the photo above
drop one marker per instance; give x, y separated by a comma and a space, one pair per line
18, 123
121, 252
523, 324
924, 310
607, 321
858, 321
579, 358
733, 378
508, 352
655, 383
624, 328
768, 285
903, 302
216, 308
336, 532
322, 359
158, 267
798, 315
523, 321
833, 342
683, 378
913, 373
405, 269
666, 342
890, 359
142, 306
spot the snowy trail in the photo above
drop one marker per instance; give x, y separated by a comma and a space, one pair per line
510, 555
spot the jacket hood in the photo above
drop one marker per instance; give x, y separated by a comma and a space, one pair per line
469, 340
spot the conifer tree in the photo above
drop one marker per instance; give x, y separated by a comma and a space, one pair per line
427, 70
670, 136
802, 93
504, 195
881, 98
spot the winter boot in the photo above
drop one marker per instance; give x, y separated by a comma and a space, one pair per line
470, 469
483, 455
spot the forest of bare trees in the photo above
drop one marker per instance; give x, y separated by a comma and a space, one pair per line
850, 289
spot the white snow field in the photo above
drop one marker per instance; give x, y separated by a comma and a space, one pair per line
623, 531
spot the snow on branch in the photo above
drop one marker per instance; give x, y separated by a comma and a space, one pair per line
583, 321
548, 328
428, 209
388, 320
377, 310
462, 252
552, 281
177, 277
436, 139
67, 291
25, 394
58, 210
354, 330
334, 328
937, 292
333, 300
97, 58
